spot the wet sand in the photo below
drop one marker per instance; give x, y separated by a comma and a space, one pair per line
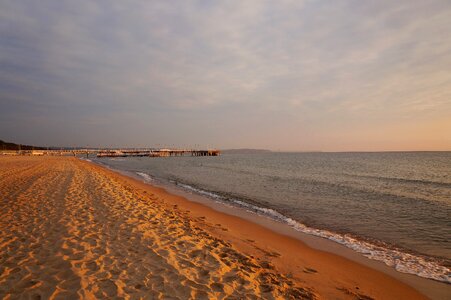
72, 229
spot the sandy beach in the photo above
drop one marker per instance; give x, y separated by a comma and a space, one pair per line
71, 229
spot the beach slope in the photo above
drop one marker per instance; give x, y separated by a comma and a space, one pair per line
72, 229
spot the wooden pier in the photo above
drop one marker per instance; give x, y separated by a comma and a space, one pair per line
156, 153
117, 152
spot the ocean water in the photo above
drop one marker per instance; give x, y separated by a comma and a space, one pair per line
393, 207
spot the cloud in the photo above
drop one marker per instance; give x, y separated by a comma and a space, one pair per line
304, 67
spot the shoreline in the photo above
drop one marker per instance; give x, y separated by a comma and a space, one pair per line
112, 225
432, 288
426, 286
396, 245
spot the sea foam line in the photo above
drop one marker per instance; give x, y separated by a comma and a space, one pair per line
147, 177
399, 260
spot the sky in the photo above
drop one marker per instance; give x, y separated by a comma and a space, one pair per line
282, 75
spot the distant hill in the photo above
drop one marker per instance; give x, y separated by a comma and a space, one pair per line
245, 151
11, 146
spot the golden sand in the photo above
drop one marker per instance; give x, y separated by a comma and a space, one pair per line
70, 229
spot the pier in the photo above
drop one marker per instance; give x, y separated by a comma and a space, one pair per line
156, 153
116, 152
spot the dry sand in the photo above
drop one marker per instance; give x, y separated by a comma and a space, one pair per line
70, 229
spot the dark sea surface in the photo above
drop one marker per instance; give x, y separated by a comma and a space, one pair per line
392, 206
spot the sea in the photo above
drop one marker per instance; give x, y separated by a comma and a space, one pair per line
393, 207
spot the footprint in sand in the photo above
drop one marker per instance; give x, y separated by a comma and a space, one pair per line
310, 271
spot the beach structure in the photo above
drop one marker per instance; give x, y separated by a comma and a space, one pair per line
37, 152
157, 153
116, 152
9, 152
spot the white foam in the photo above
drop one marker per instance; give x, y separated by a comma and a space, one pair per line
401, 261
199, 191
147, 177
396, 258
